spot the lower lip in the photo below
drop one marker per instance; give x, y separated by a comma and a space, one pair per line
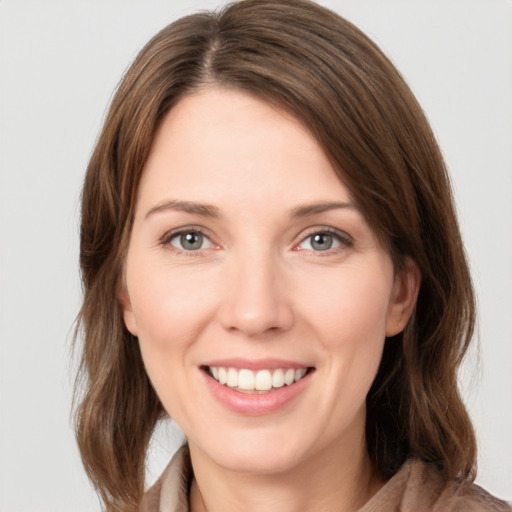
250, 404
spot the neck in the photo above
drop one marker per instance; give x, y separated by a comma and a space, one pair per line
340, 480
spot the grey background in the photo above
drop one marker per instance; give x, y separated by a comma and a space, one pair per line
60, 62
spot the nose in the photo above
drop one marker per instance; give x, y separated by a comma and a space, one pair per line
256, 300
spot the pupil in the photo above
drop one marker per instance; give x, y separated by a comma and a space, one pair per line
191, 241
322, 242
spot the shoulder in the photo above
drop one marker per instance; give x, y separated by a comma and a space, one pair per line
170, 492
425, 485
469, 498
418, 487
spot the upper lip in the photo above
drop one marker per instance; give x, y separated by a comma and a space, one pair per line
255, 364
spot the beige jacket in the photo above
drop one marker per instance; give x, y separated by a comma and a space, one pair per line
416, 487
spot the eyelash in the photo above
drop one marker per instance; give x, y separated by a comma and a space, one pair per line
168, 237
344, 240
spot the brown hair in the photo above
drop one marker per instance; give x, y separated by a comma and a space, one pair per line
320, 68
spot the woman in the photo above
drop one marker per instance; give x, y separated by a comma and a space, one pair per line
270, 256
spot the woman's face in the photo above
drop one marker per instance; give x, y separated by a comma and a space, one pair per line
260, 296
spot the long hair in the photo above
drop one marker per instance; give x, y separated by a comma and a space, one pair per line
318, 67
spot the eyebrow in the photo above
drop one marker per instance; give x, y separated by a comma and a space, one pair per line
205, 210
208, 210
315, 208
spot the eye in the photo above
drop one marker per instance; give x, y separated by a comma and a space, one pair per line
323, 241
320, 242
189, 241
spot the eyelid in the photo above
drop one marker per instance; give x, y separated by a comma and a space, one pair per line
345, 239
342, 236
165, 240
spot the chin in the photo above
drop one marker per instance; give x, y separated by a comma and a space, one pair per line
259, 462
256, 454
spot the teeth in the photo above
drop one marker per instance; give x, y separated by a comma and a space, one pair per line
299, 373
232, 378
278, 379
289, 376
246, 379
262, 380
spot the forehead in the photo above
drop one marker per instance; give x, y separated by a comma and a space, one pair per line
226, 145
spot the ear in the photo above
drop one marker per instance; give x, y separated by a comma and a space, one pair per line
403, 297
126, 307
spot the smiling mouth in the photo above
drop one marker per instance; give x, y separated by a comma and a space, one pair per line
256, 382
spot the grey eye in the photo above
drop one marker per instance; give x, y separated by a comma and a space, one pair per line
190, 241
322, 241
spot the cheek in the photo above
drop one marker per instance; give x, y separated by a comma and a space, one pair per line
169, 305
350, 320
170, 308
350, 307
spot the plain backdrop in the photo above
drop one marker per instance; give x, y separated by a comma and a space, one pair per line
59, 64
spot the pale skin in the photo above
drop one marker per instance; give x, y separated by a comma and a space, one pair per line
247, 245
